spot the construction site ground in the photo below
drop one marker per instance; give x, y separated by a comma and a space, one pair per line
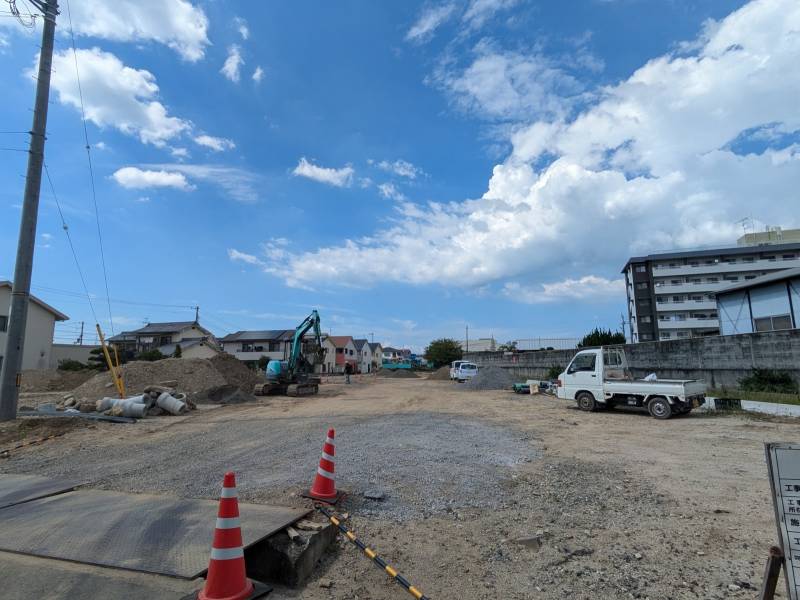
488, 494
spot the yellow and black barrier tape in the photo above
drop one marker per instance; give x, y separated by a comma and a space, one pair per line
373, 555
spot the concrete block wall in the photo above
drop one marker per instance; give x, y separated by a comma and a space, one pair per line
718, 360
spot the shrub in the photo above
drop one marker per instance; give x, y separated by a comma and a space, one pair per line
554, 371
602, 337
767, 380
178, 351
150, 355
68, 364
443, 351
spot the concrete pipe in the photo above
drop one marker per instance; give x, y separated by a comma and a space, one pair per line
172, 405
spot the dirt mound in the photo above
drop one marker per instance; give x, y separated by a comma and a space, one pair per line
192, 376
489, 378
397, 373
53, 380
440, 374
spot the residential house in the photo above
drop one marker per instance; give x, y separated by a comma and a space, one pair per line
191, 349
390, 354
39, 328
368, 360
328, 364
376, 359
162, 337
250, 346
345, 353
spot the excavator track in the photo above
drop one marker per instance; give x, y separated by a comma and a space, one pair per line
302, 389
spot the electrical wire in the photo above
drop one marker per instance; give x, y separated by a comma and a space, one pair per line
69, 239
91, 170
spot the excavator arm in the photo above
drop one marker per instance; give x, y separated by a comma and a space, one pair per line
310, 322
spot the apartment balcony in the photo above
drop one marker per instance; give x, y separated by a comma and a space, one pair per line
688, 324
688, 305
693, 288
723, 267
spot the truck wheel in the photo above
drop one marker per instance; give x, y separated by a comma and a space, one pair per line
660, 408
586, 402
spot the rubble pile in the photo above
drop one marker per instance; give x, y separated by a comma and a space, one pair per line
440, 374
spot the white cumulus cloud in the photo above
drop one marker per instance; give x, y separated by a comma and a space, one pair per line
480, 11
389, 190
587, 287
217, 144
258, 74
177, 24
241, 27
403, 168
233, 63
115, 95
647, 165
136, 179
341, 177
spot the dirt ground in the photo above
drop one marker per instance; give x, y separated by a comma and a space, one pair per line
487, 494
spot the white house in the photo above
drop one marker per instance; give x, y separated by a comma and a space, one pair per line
250, 346
155, 336
39, 329
191, 349
376, 359
328, 364
370, 356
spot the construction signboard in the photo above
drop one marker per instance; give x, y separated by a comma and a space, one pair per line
783, 461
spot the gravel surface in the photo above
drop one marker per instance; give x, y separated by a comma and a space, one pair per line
440, 374
485, 495
489, 378
281, 456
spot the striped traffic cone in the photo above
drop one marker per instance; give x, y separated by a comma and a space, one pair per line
324, 487
226, 571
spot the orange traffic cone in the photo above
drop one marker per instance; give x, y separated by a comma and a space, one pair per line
226, 571
324, 487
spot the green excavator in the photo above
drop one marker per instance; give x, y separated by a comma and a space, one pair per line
295, 376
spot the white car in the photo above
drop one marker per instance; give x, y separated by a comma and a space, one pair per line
466, 371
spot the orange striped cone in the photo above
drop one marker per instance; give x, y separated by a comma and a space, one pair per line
324, 487
226, 571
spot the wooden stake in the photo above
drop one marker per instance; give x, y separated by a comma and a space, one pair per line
771, 574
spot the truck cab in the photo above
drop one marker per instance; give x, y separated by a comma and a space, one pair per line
599, 378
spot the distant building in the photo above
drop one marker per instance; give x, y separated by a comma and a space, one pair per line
370, 356
376, 352
672, 295
773, 235
767, 303
250, 346
346, 360
155, 336
39, 328
479, 345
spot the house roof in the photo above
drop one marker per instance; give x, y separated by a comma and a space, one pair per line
390, 349
775, 277
340, 341
735, 251
359, 343
265, 335
57, 313
374, 346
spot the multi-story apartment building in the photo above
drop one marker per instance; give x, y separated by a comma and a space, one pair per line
672, 295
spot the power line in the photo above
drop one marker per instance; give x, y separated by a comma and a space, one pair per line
91, 169
69, 239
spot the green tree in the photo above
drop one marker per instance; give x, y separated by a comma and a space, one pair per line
68, 364
443, 351
98, 361
178, 351
507, 347
602, 337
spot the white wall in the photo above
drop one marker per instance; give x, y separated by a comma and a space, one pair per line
199, 351
70, 351
38, 333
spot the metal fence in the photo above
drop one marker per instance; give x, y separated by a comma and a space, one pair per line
547, 343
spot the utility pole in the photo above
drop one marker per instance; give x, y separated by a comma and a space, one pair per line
80, 337
467, 349
622, 318
196, 314
10, 376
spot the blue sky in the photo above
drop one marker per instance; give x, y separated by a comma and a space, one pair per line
408, 168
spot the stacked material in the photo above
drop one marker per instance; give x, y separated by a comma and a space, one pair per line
489, 378
155, 401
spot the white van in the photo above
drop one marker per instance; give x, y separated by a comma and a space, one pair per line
466, 370
454, 368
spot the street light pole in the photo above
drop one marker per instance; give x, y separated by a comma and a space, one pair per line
10, 375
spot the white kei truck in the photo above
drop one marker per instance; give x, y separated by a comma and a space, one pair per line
599, 378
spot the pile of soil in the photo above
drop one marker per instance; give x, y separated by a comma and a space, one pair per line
53, 380
397, 373
489, 378
192, 376
440, 374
